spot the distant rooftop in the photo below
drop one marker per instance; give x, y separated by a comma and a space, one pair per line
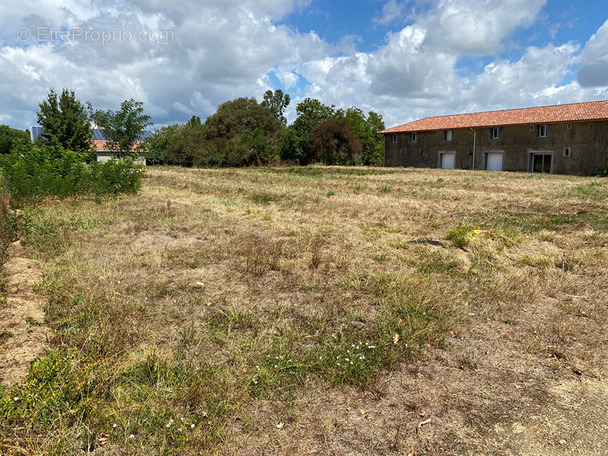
596, 110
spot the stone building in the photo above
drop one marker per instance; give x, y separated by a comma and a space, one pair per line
563, 139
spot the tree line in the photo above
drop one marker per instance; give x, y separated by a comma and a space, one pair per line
244, 132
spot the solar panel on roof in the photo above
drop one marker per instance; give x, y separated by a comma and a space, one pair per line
98, 135
36, 132
145, 135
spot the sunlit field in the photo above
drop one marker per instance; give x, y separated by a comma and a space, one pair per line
320, 310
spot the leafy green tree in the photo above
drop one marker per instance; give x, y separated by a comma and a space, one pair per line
277, 102
297, 144
123, 128
194, 120
334, 143
176, 144
11, 138
65, 122
241, 133
366, 130
374, 147
158, 145
252, 148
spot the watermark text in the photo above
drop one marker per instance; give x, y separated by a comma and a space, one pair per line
51, 35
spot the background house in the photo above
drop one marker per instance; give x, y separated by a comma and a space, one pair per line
99, 141
565, 139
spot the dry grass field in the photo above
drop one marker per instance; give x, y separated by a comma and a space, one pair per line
328, 311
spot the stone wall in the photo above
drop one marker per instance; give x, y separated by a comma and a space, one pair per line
568, 148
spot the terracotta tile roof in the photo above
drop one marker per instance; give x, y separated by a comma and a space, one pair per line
596, 110
101, 145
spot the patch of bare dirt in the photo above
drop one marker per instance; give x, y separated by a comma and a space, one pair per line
24, 336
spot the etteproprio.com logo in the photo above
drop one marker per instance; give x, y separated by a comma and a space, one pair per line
51, 35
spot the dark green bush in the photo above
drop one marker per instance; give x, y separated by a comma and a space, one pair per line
115, 176
35, 171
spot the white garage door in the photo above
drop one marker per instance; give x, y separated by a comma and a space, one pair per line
494, 162
448, 161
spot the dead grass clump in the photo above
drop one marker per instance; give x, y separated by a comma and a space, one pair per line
432, 260
317, 252
262, 256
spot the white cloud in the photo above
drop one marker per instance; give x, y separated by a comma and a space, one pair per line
288, 78
273, 9
223, 49
391, 12
594, 71
406, 67
477, 27
218, 50
540, 70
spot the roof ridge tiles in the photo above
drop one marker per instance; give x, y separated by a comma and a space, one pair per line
569, 112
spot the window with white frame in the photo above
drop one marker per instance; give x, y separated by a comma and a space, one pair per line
447, 135
496, 133
394, 139
542, 131
413, 137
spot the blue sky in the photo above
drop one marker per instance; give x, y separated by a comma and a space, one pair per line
404, 59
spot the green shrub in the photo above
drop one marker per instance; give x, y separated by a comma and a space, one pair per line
116, 176
35, 171
460, 236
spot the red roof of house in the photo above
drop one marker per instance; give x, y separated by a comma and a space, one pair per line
101, 145
596, 110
